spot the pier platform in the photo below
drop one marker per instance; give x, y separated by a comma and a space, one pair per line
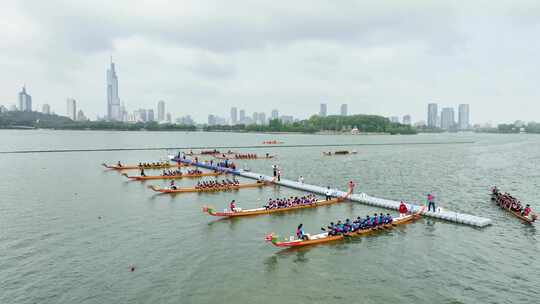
460, 218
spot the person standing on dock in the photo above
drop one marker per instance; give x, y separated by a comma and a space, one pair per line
351, 187
431, 201
301, 179
274, 168
279, 175
328, 193
402, 209
142, 172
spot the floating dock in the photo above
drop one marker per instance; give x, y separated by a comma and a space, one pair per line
363, 198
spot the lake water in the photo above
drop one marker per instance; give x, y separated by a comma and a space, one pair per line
69, 229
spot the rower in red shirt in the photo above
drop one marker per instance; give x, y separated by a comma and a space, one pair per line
232, 206
402, 209
526, 211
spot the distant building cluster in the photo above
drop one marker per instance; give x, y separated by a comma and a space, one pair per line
323, 110
446, 118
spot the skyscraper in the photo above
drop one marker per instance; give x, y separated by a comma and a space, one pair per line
262, 118
46, 109
447, 118
242, 116
344, 109
433, 111
25, 101
71, 109
274, 114
81, 116
255, 117
169, 118
463, 117
322, 111
234, 115
113, 101
161, 110
211, 120
150, 114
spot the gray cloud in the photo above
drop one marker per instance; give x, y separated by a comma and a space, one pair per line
383, 57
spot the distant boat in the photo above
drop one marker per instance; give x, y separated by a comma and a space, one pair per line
341, 152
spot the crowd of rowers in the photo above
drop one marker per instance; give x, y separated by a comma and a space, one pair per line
359, 224
179, 172
245, 156
348, 226
290, 202
147, 165
505, 200
217, 184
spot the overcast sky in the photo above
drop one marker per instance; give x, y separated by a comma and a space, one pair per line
380, 57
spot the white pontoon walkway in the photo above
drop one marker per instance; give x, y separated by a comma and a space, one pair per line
363, 198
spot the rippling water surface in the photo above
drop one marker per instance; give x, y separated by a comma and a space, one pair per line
69, 229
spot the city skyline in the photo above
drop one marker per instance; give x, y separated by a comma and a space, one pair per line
391, 66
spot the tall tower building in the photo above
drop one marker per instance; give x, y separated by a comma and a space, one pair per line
71, 109
344, 109
433, 111
463, 117
46, 109
262, 118
242, 116
161, 110
113, 101
255, 117
322, 111
150, 115
274, 114
234, 115
25, 101
447, 118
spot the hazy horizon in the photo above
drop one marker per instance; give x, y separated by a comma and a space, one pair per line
388, 58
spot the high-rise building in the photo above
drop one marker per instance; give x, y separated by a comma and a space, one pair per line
3, 109
447, 118
150, 114
71, 109
394, 119
322, 111
185, 120
161, 110
211, 120
287, 119
274, 114
344, 109
234, 115
25, 101
113, 101
242, 116
81, 116
463, 117
262, 118
143, 115
255, 117
169, 118
433, 112
46, 109
407, 119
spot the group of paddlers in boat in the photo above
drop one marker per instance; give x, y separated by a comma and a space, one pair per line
217, 184
348, 226
291, 202
246, 156
510, 203
180, 173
